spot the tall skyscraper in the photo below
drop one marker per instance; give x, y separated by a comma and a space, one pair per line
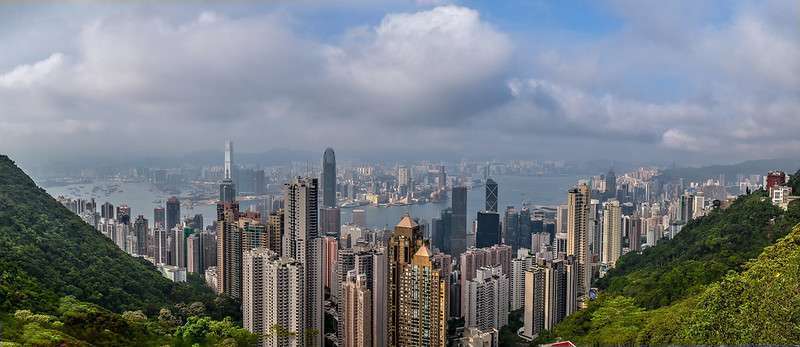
442, 228
140, 230
173, 213
549, 295
227, 188
302, 242
357, 300
488, 231
422, 306
124, 214
458, 235
611, 184
486, 299
275, 224
331, 221
107, 210
273, 298
491, 195
405, 241
159, 217
612, 233
578, 235
511, 227
370, 262
329, 178
179, 246
229, 250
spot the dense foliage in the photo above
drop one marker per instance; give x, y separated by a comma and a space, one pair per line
756, 305
64, 283
703, 252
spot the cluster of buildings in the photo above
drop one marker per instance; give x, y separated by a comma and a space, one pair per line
297, 264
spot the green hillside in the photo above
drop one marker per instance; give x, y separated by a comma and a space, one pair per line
62, 283
703, 286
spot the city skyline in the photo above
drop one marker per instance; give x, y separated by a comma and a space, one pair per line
654, 84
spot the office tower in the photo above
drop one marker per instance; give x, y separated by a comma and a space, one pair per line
611, 184
275, 224
124, 214
331, 221
612, 232
404, 241
159, 217
302, 242
578, 235
357, 300
686, 212
458, 235
549, 296
140, 231
441, 179
229, 250
370, 262
107, 210
359, 218
519, 266
273, 300
511, 227
488, 231
486, 298
329, 178
227, 188
442, 230
491, 195
260, 182
197, 223
173, 213
422, 310
524, 228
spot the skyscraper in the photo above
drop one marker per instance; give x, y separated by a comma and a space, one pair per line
329, 178
511, 227
369, 262
549, 295
124, 214
359, 218
357, 301
275, 224
486, 299
488, 231
458, 235
422, 310
273, 298
227, 188
302, 242
107, 210
173, 213
578, 235
491, 195
612, 232
611, 184
159, 217
229, 250
405, 241
140, 227
331, 221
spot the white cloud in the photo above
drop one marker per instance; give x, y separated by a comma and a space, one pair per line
29, 74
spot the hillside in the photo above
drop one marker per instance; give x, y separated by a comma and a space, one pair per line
704, 287
750, 167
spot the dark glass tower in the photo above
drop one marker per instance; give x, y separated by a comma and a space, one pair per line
458, 235
227, 189
173, 212
488, 233
491, 195
329, 178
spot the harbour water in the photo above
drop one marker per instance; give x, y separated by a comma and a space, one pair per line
512, 191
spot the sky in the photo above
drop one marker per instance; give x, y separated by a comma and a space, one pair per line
662, 81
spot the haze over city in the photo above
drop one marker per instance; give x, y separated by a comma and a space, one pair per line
677, 81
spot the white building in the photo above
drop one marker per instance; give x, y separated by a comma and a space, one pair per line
486, 299
519, 266
273, 298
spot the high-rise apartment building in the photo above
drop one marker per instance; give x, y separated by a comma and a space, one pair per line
275, 224
612, 232
329, 178
405, 241
486, 298
369, 261
578, 235
302, 242
273, 299
549, 295
422, 316
519, 266
357, 302
229, 250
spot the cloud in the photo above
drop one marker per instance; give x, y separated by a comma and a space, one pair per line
440, 79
